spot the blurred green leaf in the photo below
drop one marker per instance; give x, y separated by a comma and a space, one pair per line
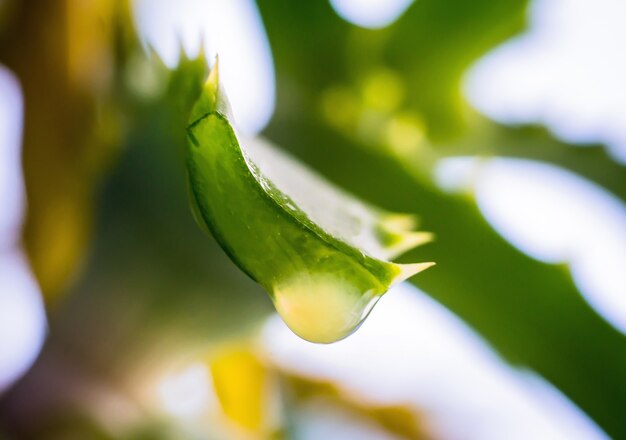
399, 421
429, 48
536, 143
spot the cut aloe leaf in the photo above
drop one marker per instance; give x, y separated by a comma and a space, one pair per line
321, 254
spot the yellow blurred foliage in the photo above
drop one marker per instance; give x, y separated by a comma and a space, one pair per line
244, 389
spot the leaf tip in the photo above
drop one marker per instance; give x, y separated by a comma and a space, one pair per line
212, 81
408, 270
212, 98
410, 240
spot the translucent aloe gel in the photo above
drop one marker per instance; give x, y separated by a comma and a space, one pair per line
322, 255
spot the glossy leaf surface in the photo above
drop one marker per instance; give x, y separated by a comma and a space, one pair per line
320, 253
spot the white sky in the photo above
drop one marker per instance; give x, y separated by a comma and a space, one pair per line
372, 14
566, 72
22, 315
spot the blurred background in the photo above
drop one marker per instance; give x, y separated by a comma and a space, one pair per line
502, 125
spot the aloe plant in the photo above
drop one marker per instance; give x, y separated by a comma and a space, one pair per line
322, 255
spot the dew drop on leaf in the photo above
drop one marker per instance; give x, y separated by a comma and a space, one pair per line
322, 308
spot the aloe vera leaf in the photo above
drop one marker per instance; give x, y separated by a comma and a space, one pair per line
321, 254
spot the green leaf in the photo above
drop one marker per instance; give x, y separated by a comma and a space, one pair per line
321, 254
592, 161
